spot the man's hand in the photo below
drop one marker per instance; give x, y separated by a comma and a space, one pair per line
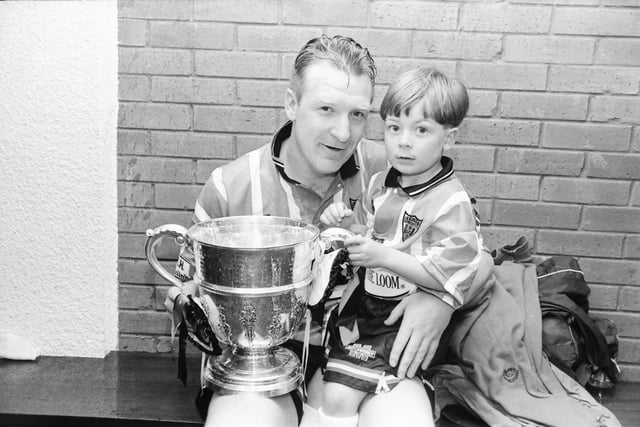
199, 331
424, 319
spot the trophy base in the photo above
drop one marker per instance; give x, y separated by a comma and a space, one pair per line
269, 372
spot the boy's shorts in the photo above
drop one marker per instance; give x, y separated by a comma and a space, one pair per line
360, 345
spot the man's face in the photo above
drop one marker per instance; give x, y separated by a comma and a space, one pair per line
329, 117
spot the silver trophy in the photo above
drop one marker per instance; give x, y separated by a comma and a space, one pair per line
254, 275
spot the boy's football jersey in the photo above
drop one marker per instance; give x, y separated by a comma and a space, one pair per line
435, 222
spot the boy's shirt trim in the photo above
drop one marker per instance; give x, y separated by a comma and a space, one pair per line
391, 179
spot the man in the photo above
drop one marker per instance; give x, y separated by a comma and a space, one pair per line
317, 158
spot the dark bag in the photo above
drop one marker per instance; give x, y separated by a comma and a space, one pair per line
572, 340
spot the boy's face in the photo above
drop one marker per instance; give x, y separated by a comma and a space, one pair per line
415, 144
329, 117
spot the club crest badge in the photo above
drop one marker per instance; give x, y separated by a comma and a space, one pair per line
511, 375
410, 225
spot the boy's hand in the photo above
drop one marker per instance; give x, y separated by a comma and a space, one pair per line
364, 252
334, 214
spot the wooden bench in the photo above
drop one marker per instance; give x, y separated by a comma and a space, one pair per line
142, 389
123, 389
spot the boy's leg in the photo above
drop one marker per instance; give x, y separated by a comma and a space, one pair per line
341, 400
407, 404
315, 390
340, 406
322, 409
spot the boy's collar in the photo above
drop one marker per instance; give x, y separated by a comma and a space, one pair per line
349, 169
413, 190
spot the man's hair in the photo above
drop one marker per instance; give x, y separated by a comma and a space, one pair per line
343, 52
443, 99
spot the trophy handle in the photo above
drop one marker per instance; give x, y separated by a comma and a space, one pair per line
154, 236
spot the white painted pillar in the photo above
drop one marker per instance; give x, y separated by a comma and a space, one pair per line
58, 191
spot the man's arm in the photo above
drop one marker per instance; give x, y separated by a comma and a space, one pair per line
213, 201
459, 264
424, 319
178, 302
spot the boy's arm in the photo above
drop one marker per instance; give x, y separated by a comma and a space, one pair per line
452, 252
409, 267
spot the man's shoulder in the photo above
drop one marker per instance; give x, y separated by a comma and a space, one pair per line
240, 166
378, 180
371, 146
237, 173
228, 188
262, 152
372, 154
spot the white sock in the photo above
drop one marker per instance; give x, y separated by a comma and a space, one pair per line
329, 421
309, 416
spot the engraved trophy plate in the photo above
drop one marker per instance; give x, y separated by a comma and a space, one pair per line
254, 275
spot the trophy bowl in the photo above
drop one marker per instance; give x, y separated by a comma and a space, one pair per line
254, 275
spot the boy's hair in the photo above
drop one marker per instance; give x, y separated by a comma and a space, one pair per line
343, 52
443, 99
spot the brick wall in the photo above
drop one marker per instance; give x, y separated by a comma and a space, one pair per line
551, 147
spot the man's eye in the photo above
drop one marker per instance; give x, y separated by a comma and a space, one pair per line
326, 109
359, 115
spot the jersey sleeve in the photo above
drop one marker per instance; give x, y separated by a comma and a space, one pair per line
452, 249
213, 199
364, 210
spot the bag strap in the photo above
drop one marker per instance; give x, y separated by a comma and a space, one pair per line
558, 362
600, 356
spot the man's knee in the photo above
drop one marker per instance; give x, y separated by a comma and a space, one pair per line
246, 409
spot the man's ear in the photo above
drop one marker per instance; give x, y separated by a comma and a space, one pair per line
290, 104
450, 138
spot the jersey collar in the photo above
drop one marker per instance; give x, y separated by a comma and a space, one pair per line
349, 169
413, 190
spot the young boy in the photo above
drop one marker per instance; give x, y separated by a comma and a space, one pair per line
422, 237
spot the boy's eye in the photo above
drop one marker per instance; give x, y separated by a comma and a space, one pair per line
422, 130
393, 128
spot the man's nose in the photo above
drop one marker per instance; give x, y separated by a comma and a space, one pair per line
341, 128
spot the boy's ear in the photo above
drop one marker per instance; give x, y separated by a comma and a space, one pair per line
450, 138
290, 104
